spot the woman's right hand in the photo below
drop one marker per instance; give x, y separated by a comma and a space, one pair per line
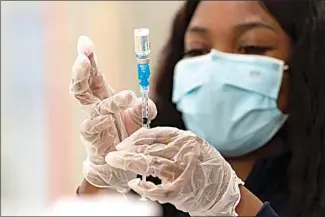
110, 118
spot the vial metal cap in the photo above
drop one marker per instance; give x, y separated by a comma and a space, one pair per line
141, 41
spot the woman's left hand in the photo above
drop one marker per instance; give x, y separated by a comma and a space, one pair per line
195, 177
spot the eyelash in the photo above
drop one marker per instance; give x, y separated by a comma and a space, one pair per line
252, 49
247, 49
193, 53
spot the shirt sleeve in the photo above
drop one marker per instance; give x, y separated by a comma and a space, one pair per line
267, 211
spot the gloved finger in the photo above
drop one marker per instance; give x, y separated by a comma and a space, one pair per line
149, 137
134, 115
167, 191
178, 142
156, 149
99, 87
79, 87
177, 158
136, 111
154, 192
97, 83
85, 45
145, 164
96, 125
103, 175
178, 145
116, 103
165, 135
168, 187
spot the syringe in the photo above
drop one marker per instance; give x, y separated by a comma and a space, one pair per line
142, 51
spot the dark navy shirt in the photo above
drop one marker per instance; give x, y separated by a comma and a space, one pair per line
269, 182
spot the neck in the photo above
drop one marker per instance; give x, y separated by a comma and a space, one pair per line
242, 167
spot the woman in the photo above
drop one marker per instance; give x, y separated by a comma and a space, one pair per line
264, 115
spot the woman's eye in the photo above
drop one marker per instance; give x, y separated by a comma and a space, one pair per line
259, 50
193, 53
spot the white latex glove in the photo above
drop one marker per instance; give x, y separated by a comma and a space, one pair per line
110, 118
195, 177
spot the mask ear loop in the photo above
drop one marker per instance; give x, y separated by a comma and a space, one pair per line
286, 67
282, 133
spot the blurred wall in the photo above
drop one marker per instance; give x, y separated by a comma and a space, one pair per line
41, 153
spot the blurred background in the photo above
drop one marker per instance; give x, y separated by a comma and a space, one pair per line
41, 153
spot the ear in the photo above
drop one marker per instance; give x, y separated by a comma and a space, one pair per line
286, 67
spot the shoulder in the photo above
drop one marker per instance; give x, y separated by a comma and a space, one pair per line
267, 211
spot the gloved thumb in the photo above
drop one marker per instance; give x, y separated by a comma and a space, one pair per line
135, 112
85, 45
116, 103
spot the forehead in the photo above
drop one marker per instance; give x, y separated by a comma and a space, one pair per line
217, 16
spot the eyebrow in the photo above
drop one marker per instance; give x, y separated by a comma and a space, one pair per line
197, 29
245, 26
240, 28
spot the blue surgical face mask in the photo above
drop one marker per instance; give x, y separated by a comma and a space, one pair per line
230, 100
